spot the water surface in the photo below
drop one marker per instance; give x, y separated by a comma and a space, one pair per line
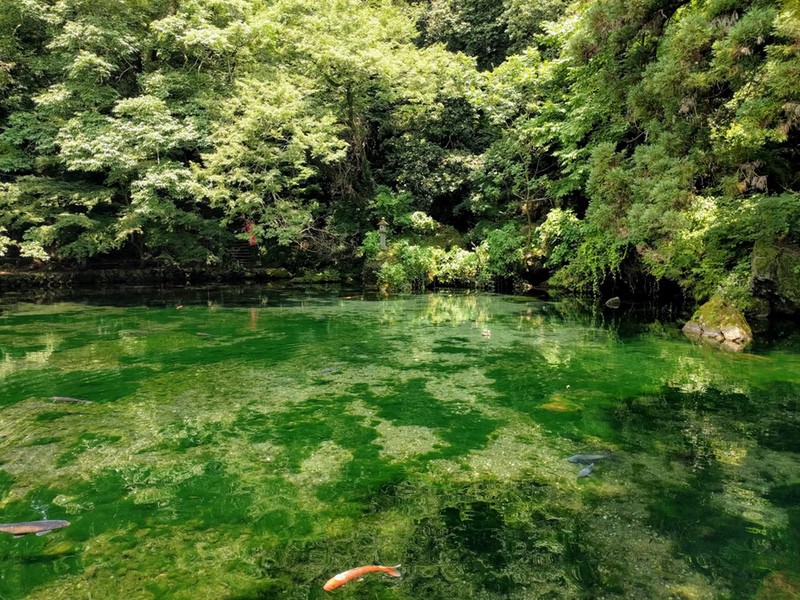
251, 443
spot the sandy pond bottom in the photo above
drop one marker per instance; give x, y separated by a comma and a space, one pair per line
256, 442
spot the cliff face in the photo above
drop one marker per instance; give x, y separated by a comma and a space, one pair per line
776, 276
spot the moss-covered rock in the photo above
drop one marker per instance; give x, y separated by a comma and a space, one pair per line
277, 273
327, 276
775, 276
720, 323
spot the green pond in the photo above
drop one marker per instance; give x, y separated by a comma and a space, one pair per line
246, 443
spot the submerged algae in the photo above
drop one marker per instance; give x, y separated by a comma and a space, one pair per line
229, 467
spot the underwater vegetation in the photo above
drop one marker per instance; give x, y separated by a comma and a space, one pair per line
307, 435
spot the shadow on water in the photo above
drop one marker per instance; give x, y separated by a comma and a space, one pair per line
711, 491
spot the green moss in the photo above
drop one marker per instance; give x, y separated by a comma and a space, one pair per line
277, 273
327, 276
6, 481
86, 441
776, 274
44, 441
717, 313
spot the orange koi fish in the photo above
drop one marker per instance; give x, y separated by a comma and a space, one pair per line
342, 578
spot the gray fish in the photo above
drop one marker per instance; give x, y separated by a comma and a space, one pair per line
70, 400
585, 459
585, 471
204, 334
37, 527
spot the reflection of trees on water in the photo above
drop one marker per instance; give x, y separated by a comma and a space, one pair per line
437, 309
707, 460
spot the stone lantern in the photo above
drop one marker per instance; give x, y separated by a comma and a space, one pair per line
382, 229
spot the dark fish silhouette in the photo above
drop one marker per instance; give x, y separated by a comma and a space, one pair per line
586, 471
70, 400
585, 459
36, 527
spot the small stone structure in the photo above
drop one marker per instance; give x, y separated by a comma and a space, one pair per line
719, 323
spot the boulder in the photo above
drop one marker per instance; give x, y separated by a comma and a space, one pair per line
721, 324
277, 273
775, 276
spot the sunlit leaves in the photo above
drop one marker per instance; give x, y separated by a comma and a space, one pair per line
85, 36
268, 148
597, 137
88, 67
205, 34
142, 129
55, 217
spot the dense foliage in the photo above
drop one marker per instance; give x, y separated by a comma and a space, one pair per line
589, 143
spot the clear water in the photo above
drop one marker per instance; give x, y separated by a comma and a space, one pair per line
256, 442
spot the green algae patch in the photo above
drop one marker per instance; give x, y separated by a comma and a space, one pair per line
779, 586
44, 441
398, 443
322, 466
6, 482
86, 442
559, 403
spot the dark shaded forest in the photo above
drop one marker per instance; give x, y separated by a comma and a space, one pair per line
596, 146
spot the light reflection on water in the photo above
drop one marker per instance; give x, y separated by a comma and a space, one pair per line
256, 441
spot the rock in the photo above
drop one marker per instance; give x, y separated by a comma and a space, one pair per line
327, 276
277, 273
693, 328
721, 324
730, 345
774, 275
733, 332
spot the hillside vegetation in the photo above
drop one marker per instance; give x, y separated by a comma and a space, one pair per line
596, 145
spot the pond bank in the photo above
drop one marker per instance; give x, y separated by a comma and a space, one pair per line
31, 280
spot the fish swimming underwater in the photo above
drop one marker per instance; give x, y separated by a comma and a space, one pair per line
37, 527
342, 578
585, 459
70, 400
586, 471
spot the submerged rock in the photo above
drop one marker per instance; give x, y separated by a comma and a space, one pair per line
721, 324
779, 585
